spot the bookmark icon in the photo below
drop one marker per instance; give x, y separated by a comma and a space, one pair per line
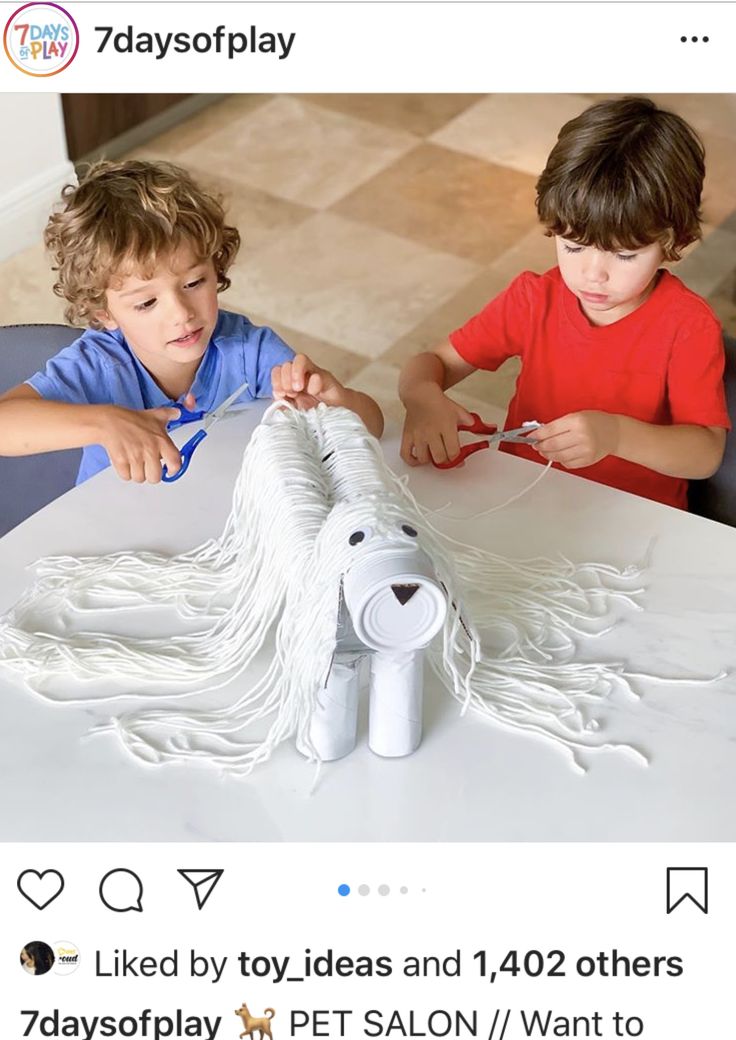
687, 883
203, 882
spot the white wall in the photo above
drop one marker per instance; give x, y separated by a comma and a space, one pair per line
33, 167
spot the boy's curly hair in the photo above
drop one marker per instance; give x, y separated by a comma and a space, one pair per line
123, 216
624, 174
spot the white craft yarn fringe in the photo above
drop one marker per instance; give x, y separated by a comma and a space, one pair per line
308, 481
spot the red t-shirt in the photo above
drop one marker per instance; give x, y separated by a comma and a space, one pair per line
662, 364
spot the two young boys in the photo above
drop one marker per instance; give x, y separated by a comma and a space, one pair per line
620, 362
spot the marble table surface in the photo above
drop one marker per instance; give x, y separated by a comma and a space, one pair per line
471, 780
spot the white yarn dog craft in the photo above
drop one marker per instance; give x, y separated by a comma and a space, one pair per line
326, 553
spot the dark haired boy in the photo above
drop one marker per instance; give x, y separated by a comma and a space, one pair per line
621, 362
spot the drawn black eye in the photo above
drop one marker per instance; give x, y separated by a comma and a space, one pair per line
409, 530
356, 537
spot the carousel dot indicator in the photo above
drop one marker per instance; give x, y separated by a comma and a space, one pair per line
343, 890
383, 890
364, 890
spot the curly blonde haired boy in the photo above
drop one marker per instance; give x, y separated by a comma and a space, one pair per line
141, 252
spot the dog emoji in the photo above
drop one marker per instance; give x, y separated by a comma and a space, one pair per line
262, 1026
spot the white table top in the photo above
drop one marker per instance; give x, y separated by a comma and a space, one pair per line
470, 780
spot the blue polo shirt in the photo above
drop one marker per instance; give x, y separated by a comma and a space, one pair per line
100, 368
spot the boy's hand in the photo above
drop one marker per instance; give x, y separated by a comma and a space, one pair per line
137, 442
305, 384
430, 428
578, 439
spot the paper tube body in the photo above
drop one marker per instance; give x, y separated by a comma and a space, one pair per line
334, 723
395, 726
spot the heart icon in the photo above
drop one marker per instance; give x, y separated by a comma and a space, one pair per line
40, 887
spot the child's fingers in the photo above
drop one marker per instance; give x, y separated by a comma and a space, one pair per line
286, 378
171, 456
315, 384
407, 449
190, 402
440, 449
277, 380
285, 395
152, 467
277, 392
165, 414
301, 367
420, 454
555, 444
121, 467
570, 459
565, 424
541, 440
304, 401
463, 415
416, 452
451, 443
550, 429
137, 471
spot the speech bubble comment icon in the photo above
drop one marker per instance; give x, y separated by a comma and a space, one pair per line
122, 890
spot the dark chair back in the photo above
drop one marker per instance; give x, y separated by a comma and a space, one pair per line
715, 497
29, 483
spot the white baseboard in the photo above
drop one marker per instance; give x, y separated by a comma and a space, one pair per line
25, 210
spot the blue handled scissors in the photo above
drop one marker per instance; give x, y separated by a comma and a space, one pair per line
185, 416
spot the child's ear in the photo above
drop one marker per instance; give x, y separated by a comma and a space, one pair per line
106, 320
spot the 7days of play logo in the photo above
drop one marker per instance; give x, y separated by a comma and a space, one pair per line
41, 39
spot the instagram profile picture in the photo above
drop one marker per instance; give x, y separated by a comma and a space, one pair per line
41, 39
37, 958
66, 957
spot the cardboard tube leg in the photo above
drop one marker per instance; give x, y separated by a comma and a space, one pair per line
395, 726
334, 724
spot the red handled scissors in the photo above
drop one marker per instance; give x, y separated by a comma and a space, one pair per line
517, 436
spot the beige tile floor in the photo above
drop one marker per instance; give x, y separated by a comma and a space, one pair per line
373, 225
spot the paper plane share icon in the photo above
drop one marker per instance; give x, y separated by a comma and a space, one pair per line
203, 882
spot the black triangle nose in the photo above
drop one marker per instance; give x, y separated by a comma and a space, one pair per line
404, 593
